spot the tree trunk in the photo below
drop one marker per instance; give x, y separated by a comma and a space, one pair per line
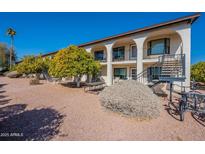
37, 76
11, 51
78, 78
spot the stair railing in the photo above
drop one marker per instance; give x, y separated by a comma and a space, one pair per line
178, 65
143, 77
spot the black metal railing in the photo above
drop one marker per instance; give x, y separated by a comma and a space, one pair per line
118, 58
173, 66
101, 59
168, 67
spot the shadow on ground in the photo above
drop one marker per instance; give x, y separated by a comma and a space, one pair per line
3, 99
16, 123
199, 117
172, 110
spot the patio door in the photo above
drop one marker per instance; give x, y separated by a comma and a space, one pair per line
133, 73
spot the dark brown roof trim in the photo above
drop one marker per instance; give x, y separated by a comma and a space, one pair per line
189, 19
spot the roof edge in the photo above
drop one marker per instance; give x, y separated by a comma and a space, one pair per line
190, 19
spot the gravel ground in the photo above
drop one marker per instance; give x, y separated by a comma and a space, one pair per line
131, 98
54, 112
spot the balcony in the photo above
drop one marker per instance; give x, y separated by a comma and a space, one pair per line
115, 59
101, 60
100, 56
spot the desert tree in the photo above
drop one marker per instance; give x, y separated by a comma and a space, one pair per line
73, 62
33, 65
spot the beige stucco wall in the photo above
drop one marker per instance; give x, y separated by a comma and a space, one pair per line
103, 73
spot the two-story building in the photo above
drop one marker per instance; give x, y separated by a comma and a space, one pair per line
126, 55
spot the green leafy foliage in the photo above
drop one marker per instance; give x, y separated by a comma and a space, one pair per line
198, 72
4, 56
31, 64
13, 68
73, 62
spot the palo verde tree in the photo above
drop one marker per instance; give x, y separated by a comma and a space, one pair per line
198, 72
73, 62
33, 65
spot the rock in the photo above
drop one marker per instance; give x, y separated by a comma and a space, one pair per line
34, 81
131, 98
13, 74
41, 76
24, 76
5, 73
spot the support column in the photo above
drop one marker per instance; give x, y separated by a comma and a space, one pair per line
88, 49
88, 78
185, 34
139, 43
109, 64
128, 72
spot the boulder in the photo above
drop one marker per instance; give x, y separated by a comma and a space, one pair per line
13, 74
34, 81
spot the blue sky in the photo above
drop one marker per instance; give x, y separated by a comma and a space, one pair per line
47, 32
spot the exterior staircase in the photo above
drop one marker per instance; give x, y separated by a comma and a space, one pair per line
169, 68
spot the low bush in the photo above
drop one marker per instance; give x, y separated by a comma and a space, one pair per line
131, 98
198, 72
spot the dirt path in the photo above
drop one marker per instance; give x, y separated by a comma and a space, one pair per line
54, 112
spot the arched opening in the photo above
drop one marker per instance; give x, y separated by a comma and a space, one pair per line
124, 57
124, 50
162, 42
99, 53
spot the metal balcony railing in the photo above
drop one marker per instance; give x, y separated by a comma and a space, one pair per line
118, 59
101, 60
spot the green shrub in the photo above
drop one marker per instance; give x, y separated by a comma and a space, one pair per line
13, 68
32, 65
198, 72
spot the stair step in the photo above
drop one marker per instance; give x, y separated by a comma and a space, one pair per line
170, 65
172, 74
168, 70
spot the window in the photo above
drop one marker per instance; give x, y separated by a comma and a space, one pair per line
99, 55
154, 73
133, 73
157, 47
133, 52
120, 72
119, 53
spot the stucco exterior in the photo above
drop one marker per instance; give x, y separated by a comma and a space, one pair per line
180, 42
178, 32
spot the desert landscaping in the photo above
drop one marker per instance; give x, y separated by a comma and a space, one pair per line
54, 112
